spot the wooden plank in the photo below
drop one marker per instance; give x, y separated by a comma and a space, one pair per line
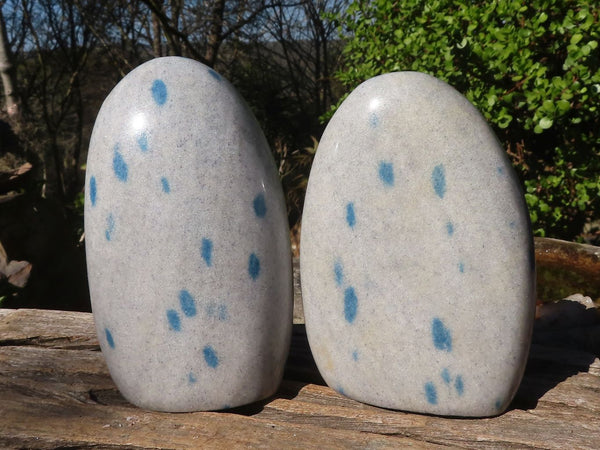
48, 328
55, 391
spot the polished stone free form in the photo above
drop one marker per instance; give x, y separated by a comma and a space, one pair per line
417, 260
187, 242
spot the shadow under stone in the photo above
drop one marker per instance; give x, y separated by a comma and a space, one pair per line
565, 342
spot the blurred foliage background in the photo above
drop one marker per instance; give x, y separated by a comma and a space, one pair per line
532, 69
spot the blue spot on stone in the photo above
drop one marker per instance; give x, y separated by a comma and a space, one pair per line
174, 321
500, 170
206, 251
350, 304
386, 173
217, 311
350, 216
192, 378
446, 376
498, 404
119, 165
159, 92
461, 267
223, 312
450, 228
355, 355
214, 74
143, 142
431, 393
110, 227
253, 266
459, 385
165, 185
211, 309
373, 120
109, 338
438, 179
187, 302
210, 357
93, 190
340, 390
260, 206
441, 335
338, 272
512, 225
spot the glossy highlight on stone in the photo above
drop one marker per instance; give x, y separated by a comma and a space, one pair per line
187, 242
416, 253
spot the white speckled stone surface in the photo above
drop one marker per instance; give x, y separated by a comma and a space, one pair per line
417, 261
187, 242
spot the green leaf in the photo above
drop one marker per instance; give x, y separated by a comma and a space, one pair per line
545, 123
576, 38
563, 106
548, 106
586, 50
462, 43
531, 199
504, 120
582, 14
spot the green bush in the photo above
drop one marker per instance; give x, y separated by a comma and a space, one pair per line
532, 69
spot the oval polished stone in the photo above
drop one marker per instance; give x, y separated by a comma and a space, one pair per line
417, 263
187, 242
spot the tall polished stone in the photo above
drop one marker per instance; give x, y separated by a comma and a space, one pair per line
417, 262
187, 242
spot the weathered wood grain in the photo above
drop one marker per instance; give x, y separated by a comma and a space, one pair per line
56, 392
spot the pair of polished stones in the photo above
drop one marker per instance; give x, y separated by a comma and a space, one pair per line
418, 276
